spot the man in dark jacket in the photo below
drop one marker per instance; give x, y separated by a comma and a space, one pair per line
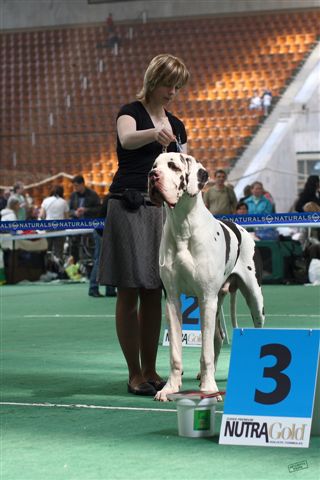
85, 203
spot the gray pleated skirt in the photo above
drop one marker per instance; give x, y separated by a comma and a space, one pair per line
130, 247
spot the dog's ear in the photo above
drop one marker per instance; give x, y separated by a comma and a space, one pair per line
196, 177
183, 158
203, 177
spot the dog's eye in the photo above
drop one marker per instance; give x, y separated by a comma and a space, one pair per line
174, 167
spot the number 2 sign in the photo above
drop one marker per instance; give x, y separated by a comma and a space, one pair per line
271, 387
191, 329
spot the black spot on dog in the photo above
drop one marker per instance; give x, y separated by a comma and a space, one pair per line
182, 159
227, 241
218, 233
258, 265
202, 176
235, 230
174, 167
182, 184
249, 268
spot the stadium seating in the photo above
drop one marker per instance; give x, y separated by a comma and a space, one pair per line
61, 89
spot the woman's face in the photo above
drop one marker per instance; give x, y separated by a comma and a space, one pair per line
257, 190
163, 95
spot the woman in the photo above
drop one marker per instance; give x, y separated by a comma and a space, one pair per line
10, 212
257, 202
130, 250
310, 193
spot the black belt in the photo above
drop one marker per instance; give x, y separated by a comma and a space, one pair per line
118, 196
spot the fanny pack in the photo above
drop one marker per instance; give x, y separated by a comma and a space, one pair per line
132, 199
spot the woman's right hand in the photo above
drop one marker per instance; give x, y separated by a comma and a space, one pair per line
164, 136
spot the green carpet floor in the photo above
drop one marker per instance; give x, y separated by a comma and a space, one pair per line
59, 350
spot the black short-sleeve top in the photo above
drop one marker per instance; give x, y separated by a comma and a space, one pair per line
134, 165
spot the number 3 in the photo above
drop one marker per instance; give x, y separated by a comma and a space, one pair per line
283, 356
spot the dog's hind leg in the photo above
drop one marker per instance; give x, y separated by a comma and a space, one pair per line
251, 291
173, 312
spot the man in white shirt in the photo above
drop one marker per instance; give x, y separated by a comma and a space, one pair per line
255, 102
55, 207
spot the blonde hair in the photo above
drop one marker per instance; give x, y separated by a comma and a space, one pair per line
164, 69
311, 207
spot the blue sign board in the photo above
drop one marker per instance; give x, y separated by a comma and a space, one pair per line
271, 386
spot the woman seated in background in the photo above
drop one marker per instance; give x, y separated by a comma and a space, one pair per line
310, 193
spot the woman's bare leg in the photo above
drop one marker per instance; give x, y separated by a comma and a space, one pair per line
150, 325
127, 326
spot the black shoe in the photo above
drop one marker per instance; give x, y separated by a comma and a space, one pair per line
111, 292
142, 389
157, 384
95, 294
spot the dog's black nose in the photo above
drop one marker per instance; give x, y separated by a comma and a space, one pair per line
153, 175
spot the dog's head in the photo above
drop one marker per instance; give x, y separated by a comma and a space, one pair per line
174, 174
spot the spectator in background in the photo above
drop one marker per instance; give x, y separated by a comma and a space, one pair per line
257, 202
270, 198
29, 200
255, 102
85, 203
220, 198
314, 233
10, 212
110, 24
310, 193
4, 196
112, 36
246, 193
55, 207
266, 101
18, 190
241, 208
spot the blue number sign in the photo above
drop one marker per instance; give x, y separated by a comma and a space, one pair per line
191, 328
271, 387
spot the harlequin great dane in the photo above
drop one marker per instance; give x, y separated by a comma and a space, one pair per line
198, 256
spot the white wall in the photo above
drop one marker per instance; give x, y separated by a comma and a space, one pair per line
38, 13
307, 131
275, 163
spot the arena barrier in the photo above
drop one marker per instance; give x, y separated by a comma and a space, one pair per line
305, 219
12, 231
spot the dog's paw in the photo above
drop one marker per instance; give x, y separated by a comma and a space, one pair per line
161, 396
210, 387
219, 398
210, 392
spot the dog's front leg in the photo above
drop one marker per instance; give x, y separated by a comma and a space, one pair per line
208, 312
173, 312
